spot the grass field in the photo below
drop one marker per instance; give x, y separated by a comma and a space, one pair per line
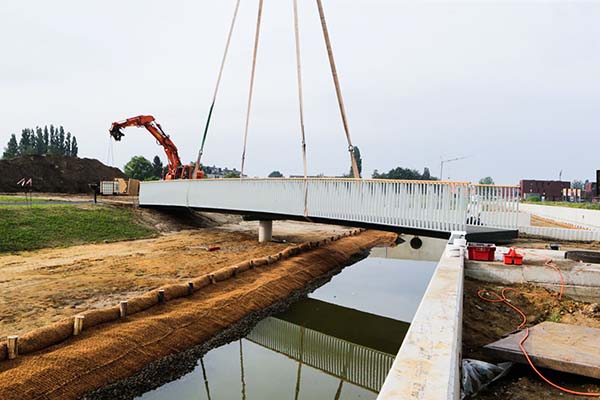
20, 199
587, 206
39, 226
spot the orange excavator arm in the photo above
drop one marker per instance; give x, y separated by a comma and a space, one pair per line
175, 168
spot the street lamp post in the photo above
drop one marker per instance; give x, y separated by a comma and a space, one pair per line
442, 162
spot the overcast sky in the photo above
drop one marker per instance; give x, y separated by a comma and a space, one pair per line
513, 85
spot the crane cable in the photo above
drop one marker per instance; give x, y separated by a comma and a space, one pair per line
256, 38
338, 90
214, 99
336, 82
299, 73
300, 105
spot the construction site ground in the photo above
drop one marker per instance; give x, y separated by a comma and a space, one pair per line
43, 286
485, 322
549, 223
139, 349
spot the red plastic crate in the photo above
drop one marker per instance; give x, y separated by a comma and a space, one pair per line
481, 251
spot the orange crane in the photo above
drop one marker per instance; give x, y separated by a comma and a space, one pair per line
176, 170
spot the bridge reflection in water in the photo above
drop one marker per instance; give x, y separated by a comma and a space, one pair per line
351, 346
349, 362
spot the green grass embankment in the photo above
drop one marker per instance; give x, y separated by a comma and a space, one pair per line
39, 226
19, 199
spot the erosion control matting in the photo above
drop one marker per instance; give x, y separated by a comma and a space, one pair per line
114, 351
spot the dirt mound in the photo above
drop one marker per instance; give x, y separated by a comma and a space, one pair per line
54, 174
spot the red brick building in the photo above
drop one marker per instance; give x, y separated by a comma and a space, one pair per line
548, 190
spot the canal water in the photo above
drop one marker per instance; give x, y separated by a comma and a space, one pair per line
338, 343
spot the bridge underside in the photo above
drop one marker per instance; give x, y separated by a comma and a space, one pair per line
475, 233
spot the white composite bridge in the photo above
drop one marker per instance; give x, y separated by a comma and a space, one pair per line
429, 208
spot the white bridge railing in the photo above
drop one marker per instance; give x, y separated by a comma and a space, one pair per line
429, 205
495, 206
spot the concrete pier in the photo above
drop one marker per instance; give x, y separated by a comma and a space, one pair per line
265, 231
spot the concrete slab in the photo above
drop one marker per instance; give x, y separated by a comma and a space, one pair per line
561, 347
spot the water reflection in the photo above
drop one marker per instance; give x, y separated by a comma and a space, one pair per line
385, 287
341, 359
281, 360
337, 344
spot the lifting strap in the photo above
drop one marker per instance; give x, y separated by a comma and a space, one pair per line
214, 99
256, 38
299, 72
337, 89
300, 105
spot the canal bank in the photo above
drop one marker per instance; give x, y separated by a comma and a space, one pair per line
338, 342
114, 351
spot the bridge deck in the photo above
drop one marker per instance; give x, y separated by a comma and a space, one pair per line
422, 208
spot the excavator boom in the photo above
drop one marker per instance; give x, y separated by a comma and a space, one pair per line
175, 168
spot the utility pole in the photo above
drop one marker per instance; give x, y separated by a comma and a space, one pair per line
442, 162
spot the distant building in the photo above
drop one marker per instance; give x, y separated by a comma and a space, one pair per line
547, 190
590, 190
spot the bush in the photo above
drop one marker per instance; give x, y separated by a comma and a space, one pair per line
139, 168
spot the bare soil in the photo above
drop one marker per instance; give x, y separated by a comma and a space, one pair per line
115, 351
486, 322
549, 223
40, 287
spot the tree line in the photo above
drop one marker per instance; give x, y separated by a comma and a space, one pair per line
405, 173
139, 167
52, 141
394, 173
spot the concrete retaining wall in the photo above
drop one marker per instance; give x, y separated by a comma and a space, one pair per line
428, 363
575, 216
582, 280
574, 235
